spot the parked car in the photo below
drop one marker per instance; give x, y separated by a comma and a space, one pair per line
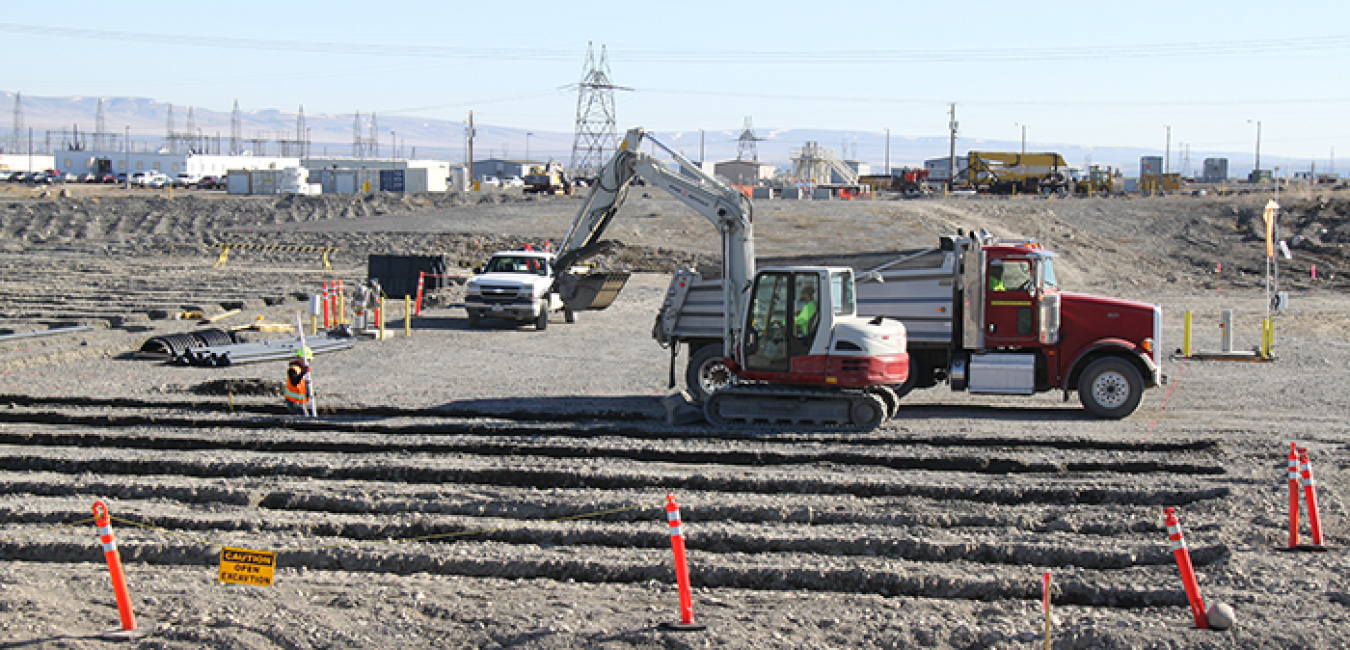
106, 177
149, 178
159, 181
121, 178
185, 179
5, 174
211, 183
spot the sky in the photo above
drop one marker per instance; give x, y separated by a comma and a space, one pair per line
1123, 74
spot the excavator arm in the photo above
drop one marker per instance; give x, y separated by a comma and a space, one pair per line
729, 211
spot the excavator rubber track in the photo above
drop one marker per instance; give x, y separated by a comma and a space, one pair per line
768, 406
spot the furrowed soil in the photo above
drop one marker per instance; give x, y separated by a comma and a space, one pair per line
503, 486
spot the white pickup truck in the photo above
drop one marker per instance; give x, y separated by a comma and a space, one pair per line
514, 285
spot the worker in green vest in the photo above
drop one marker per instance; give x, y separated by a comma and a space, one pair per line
806, 313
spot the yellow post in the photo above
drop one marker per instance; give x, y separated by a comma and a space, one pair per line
1267, 337
381, 318
407, 315
313, 324
1186, 337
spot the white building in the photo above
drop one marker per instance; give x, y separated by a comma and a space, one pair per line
745, 172
22, 162
349, 175
939, 169
170, 164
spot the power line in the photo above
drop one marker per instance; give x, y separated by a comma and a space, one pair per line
1301, 44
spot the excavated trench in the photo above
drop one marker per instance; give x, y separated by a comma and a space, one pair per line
353, 481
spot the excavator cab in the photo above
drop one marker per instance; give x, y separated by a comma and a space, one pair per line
785, 317
805, 357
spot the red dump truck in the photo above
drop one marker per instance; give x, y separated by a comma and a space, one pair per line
983, 315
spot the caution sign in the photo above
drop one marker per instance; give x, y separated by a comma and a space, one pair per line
245, 567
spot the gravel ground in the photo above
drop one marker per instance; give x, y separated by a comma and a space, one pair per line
503, 486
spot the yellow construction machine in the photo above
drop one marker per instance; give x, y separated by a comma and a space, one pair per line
548, 178
998, 172
1100, 179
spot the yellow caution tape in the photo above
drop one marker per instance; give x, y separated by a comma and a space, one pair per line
46, 530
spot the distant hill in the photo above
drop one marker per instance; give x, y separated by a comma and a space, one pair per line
444, 139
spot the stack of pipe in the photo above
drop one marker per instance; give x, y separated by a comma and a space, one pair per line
270, 350
173, 345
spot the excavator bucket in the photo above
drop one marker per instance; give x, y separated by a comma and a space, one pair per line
593, 291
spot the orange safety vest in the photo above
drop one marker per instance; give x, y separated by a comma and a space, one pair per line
297, 392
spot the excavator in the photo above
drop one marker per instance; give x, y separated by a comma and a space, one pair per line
791, 335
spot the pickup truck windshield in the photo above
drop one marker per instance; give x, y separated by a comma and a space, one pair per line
508, 264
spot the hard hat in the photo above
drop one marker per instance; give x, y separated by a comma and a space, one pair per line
304, 353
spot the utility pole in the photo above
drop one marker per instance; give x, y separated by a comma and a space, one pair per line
888, 151
951, 155
471, 134
126, 153
1167, 159
1258, 143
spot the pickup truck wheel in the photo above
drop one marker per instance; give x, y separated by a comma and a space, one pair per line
1110, 388
706, 372
541, 323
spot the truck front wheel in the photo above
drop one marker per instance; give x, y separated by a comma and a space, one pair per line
1110, 388
707, 372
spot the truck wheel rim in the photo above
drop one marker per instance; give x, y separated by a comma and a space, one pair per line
1111, 390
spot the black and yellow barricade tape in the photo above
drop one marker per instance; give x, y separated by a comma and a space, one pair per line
355, 543
479, 531
350, 544
35, 533
225, 253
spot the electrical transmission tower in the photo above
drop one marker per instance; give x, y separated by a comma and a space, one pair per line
746, 143
295, 147
17, 139
365, 145
374, 136
169, 135
236, 129
100, 128
596, 129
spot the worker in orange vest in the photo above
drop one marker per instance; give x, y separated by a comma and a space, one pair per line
297, 382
